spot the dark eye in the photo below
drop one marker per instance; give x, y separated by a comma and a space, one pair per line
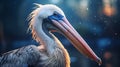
55, 13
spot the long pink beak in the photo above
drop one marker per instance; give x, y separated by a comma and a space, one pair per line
78, 42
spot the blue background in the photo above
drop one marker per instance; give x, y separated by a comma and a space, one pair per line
97, 21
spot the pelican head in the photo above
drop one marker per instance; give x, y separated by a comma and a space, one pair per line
52, 19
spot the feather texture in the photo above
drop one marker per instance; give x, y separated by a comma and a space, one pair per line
21, 57
31, 56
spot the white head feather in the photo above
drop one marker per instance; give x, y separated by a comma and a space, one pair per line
43, 11
40, 13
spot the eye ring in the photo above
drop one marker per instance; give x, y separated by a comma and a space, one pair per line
56, 16
55, 13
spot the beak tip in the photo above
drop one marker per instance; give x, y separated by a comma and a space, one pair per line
99, 61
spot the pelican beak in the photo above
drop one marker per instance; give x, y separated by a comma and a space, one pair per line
72, 35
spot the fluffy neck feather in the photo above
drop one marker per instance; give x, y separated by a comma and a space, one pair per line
40, 36
52, 44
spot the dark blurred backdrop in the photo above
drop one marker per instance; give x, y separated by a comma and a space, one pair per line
98, 22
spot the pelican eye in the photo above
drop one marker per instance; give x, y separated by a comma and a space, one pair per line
55, 13
56, 16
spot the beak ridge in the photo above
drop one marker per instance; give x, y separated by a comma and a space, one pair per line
78, 42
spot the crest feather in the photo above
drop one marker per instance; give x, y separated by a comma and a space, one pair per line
32, 18
38, 5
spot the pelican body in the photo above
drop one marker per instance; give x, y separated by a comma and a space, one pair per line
45, 20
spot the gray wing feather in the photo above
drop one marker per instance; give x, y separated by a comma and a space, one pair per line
21, 57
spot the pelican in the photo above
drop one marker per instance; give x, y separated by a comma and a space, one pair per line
45, 20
